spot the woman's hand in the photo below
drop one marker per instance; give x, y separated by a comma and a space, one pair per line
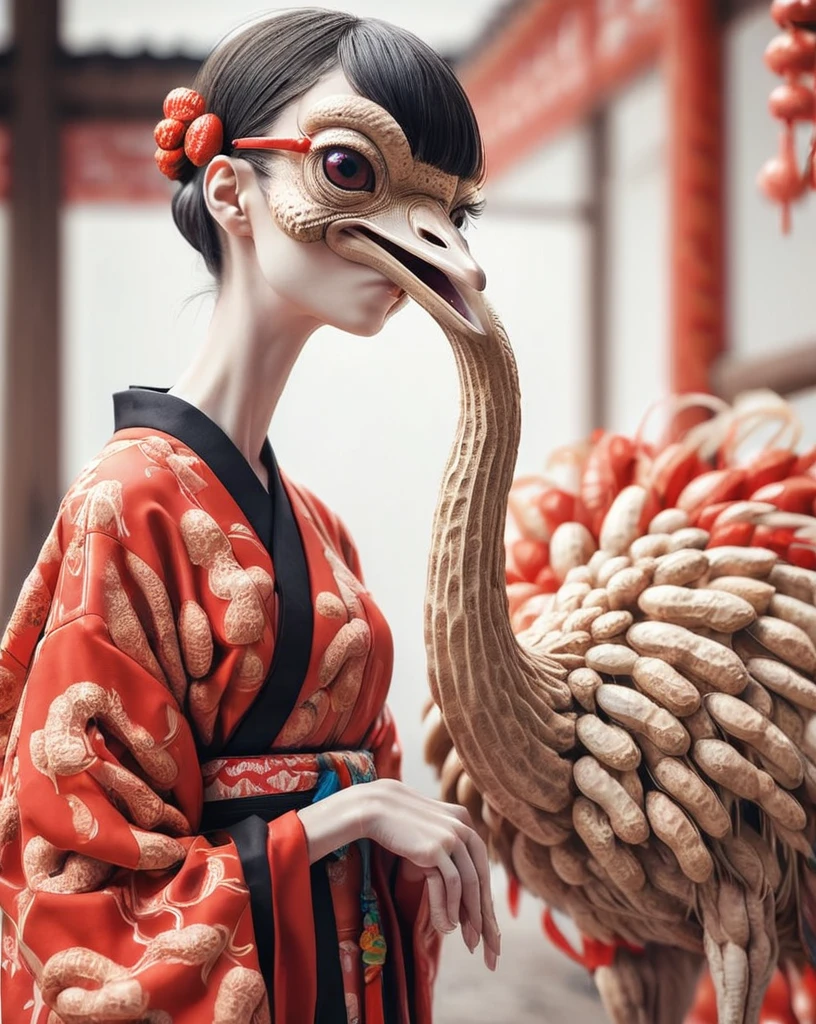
436, 840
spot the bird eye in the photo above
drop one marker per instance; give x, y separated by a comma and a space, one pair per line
349, 170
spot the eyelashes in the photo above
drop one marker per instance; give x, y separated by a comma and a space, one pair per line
466, 214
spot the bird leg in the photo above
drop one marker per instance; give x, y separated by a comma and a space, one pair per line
653, 987
741, 947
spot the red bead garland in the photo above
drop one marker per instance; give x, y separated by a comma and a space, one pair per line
791, 55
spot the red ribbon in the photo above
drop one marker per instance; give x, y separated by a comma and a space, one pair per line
595, 953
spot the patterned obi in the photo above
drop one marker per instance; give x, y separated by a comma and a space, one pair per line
240, 790
299, 779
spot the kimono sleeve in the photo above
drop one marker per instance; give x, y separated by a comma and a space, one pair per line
119, 909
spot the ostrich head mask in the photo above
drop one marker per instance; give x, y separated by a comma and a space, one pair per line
360, 188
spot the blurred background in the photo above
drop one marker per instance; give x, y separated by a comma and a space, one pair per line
627, 247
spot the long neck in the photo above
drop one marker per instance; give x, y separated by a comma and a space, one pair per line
499, 702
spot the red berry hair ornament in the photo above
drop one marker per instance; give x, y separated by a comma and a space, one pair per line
186, 132
791, 55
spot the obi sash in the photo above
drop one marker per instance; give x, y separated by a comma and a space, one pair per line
242, 794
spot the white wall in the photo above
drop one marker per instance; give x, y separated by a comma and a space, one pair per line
193, 26
638, 251
127, 276
536, 279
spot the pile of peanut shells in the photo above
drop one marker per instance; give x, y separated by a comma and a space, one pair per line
692, 673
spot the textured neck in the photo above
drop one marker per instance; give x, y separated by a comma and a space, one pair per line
499, 701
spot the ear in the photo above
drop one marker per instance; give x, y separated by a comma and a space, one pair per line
227, 183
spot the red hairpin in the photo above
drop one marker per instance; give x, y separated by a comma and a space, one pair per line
302, 145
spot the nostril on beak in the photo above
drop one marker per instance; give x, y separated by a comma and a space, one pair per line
429, 236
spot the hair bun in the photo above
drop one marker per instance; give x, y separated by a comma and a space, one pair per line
186, 131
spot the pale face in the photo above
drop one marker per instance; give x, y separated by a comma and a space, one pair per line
356, 223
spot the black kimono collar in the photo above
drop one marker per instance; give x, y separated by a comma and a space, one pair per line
156, 409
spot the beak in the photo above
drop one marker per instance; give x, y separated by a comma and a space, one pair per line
418, 248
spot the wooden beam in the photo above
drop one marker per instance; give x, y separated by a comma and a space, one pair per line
30, 490
788, 372
100, 85
121, 88
107, 107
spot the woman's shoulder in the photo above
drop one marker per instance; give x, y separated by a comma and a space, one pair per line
139, 480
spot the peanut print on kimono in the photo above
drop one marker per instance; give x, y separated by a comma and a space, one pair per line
345, 658
341, 668
62, 746
100, 508
182, 464
119, 992
12, 678
124, 625
49, 869
164, 626
209, 547
32, 607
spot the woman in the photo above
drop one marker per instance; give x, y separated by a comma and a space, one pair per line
201, 818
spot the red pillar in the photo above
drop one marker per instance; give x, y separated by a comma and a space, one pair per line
693, 51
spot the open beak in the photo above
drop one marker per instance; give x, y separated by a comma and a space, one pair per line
419, 249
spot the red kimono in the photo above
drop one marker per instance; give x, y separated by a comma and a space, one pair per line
193, 659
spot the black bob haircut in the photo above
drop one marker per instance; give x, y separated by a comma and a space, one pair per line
259, 69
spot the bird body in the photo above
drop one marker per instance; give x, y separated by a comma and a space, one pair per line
628, 712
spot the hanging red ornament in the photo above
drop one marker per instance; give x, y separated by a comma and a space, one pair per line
792, 56
799, 13
792, 102
791, 53
780, 179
